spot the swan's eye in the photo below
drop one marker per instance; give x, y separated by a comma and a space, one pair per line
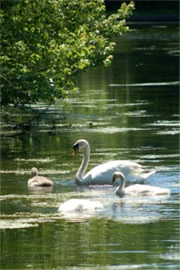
75, 149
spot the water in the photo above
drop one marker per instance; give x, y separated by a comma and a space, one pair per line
128, 111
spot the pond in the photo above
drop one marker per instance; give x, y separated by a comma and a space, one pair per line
129, 111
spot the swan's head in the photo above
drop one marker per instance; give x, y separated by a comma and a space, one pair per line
34, 172
118, 175
80, 144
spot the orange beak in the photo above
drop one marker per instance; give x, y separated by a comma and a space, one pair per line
75, 150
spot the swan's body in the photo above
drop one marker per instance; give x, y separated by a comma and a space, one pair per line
38, 181
137, 189
79, 205
102, 174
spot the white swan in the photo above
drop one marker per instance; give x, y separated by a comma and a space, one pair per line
137, 189
79, 205
38, 181
102, 174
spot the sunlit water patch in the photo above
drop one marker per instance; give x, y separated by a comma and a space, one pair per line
166, 127
165, 123
172, 255
160, 156
44, 172
174, 52
146, 84
25, 220
40, 160
169, 132
140, 113
112, 130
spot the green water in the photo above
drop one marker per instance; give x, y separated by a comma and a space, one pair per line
128, 111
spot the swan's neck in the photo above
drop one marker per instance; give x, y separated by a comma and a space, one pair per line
120, 189
84, 164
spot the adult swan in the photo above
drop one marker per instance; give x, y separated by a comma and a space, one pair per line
102, 174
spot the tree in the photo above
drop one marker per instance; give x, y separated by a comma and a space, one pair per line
45, 44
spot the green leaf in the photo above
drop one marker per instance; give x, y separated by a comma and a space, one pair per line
45, 43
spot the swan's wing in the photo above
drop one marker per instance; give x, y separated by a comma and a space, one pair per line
102, 174
146, 190
69, 205
30, 181
139, 176
39, 181
80, 205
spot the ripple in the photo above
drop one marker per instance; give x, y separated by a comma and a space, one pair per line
19, 221
139, 220
26, 197
172, 255
44, 172
146, 84
113, 130
168, 132
41, 160
160, 156
165, 123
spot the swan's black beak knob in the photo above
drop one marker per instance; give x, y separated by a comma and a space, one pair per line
114, 178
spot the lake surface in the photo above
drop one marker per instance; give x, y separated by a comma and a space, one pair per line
128, 111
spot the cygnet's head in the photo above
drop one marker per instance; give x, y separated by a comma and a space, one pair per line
80, 144
117, 175
34, 172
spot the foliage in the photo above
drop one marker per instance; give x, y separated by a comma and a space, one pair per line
46, 43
